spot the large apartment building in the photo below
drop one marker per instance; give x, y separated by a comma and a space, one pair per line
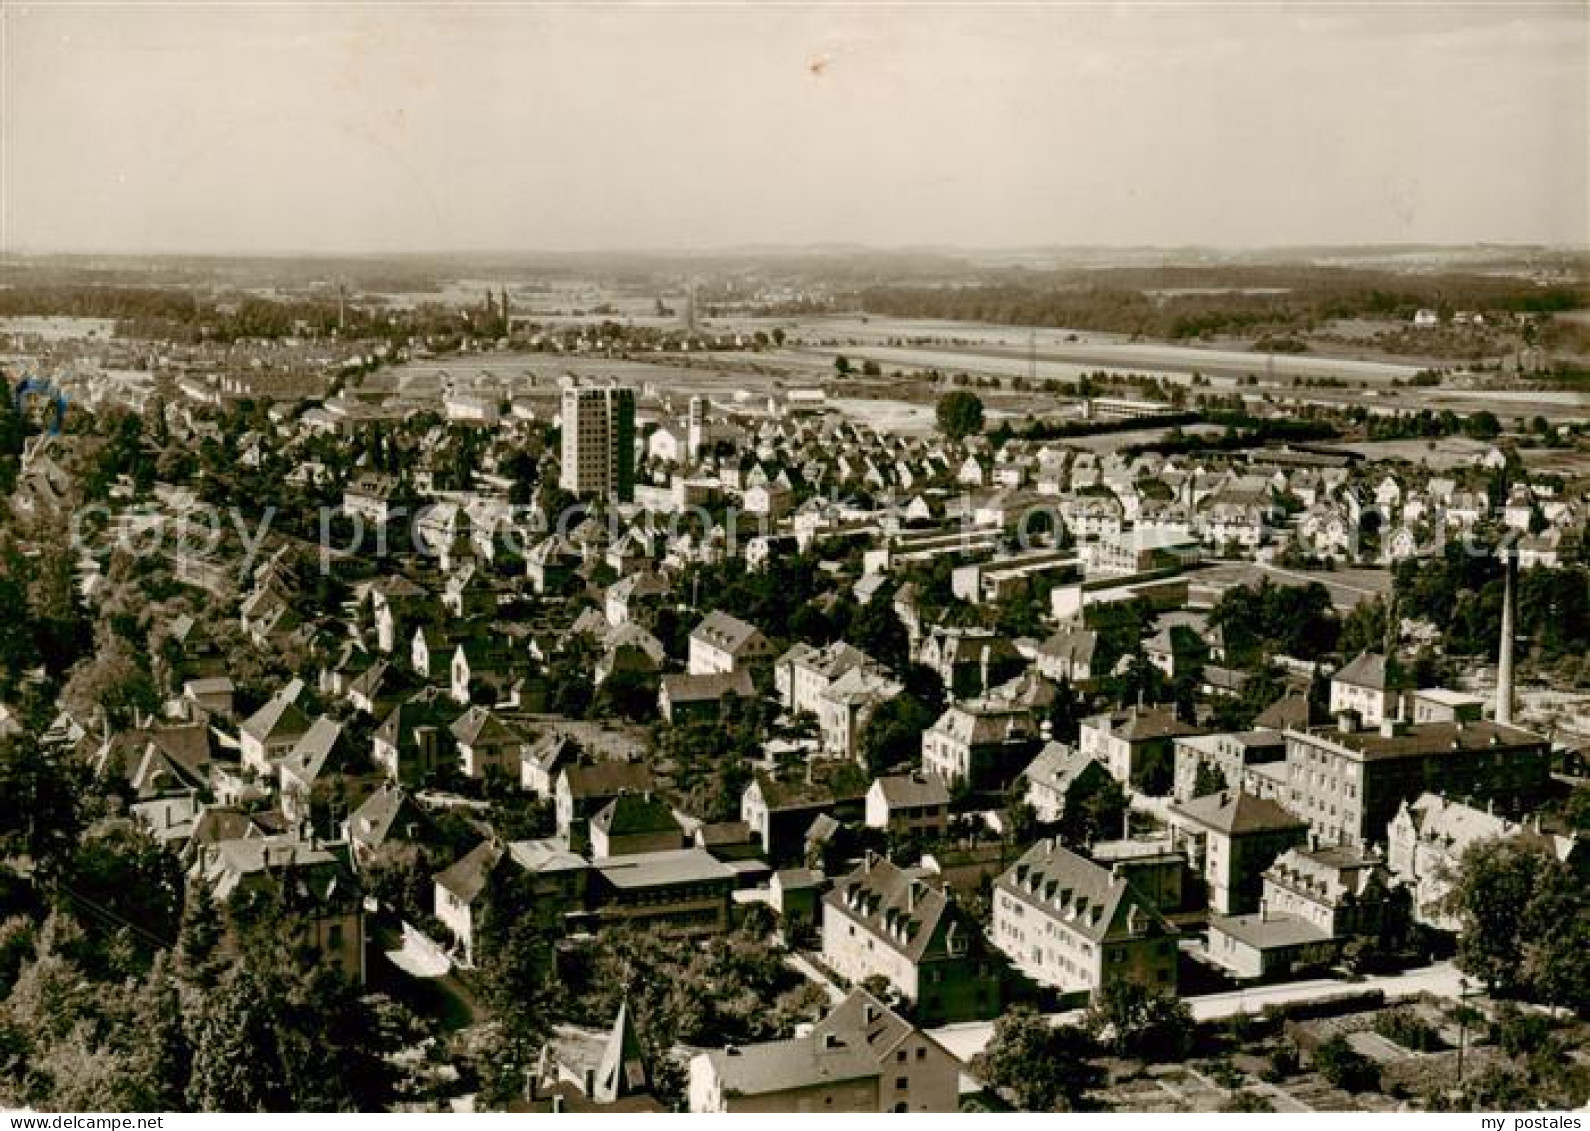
1074, 925
1348, 784
598, 425
899, 924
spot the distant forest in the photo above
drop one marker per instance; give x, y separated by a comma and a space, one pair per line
1190, 302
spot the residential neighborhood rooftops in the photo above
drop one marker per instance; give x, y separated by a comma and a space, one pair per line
912, 791
1421, 739
800, 1062
723, 631
467, 876
660, 869
1270, 931
1235, 814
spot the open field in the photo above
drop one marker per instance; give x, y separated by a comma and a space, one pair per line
1566, 463
1438, 455
59, 328
972, 346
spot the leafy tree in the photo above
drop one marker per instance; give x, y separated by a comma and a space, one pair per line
1094, 812
1140, 1021
515, 964
1270, 619
199, 938
128, 880
1576, 809
276, 1038
626, 694
1526, 922
877, 631
1066, 713
1483, 425
1038, 1066
112, 685
893, 735
1345, 1067
234, 1056
40, 817
960, 414
1209, 780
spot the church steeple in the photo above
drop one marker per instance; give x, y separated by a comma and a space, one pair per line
622, 1071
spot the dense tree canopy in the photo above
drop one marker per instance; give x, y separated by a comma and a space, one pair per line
960, 414
1526, 922
1036, 1065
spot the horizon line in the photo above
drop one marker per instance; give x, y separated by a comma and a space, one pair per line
820, 247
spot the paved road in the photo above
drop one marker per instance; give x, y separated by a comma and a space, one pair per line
967, 1039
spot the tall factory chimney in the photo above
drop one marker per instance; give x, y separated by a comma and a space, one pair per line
1393, 638
1504, 661
695, 436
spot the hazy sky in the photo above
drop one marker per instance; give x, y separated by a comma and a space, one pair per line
413, 126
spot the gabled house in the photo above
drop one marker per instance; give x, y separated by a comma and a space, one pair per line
544, 762
1059, 778
320, 752
389, 815
970, 661
487, 746
552, 881
415, 739
1137, 746
883, 920
160, 761
635, 599
483, 671
312, 881
980, 744
1232, 838
632, 650
271, 732
684, 698
862, 1057
722, 643
909, 805
1314, 900
633, 823
1363, 687
584, 789
780, 812
1072, 924
396, 605
1068, 656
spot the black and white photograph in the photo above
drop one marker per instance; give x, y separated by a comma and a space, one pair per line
895, 556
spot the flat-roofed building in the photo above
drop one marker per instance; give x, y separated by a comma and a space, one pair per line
683, 892
598, 438
1349, 784
1230, 755
1443, 705
1139, 550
